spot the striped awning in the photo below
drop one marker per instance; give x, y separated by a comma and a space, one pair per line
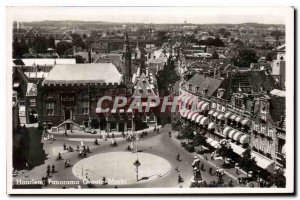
215, 114
233, 117
228, 115
237, 149
239, 119
195, 115
231, 133
246, 122
199, 104
237, 136
205, 106
190, 114
198, 119
186, 113
209, 140
221, 117
191, 101
211, 125
226, 131
214, 143
245, 139
204, 121
211, 112
182, 112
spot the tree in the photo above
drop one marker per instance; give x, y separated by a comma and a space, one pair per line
77, 41
188, 131
51, 42
224, 150
270, 56
244, 58
279, 178
199, 139
215, 55
226, 34
247, 162
167, 76
40, 45
19, 48
222, 31
62, 47
80, 59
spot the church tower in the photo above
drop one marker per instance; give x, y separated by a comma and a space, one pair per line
127, 61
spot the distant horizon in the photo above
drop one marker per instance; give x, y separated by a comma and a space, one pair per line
153, 15
188, 23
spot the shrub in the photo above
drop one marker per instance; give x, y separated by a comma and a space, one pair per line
190, 148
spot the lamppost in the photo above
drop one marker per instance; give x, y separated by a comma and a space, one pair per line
137, 162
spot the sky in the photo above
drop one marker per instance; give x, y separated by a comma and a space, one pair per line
197, 15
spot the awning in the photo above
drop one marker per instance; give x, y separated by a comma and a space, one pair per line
191, 101
211, 112
186, 113
194, 116
205, 106
198, 119
246, 122
239, 119
233, 117
199, 104
214, 143
215, 114
181, 111
204, 121
231, 133
245, 139
237, 136
237, 149
228, 115
226, 131
209, 140
190, 114
211, 125
221, 117
263, 162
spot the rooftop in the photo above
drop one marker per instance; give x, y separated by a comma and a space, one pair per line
84, 73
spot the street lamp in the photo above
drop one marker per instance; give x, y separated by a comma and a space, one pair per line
137, 164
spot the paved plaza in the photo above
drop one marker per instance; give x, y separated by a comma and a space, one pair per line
118, 168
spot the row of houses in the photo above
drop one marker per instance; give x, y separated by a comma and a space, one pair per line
247, 108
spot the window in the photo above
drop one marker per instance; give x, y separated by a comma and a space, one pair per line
270, 132
50, 108
85, 107
263, 129
32, 102
49, 94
